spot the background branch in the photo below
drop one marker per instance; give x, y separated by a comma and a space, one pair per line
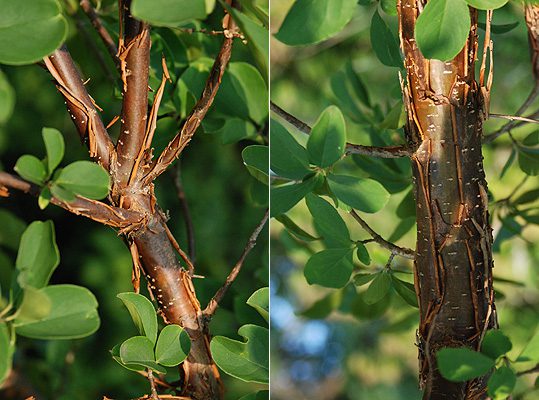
214, 302
184, 207
401, 251
373, 151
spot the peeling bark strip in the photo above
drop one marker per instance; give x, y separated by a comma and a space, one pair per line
453, 265
531, 12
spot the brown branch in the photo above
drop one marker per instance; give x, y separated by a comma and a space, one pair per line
214, 302
95, 210
373, 151
153, 389
514, 118
514, 124
80, 105
199, 111
89, 10
134, 54
184, 206
400, 251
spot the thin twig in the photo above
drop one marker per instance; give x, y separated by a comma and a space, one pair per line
214, 302
153, 389
514, 118
513, 124
351, 148
157, 381
93, 209
90, 11
184, 206
529, 371
400, 251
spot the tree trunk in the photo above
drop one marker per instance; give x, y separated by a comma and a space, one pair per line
453, 264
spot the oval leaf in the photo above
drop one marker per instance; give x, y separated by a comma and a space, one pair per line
249, 360
495, 344
38, 255
328, 222
366, 195
30, 30
442, 28
462, 364
85, 178
384, 42
487, 4
327, 142
138, 351
256, 159
501, 383
378, 289
142, 312
31, 169
73, 315
173, 346
311, 21
283, 198
330, 268
288, 158
259, 300
54, 143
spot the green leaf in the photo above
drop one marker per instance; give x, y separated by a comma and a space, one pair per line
389, 6
54, 143
38, 255
501, 383
362, 194
495, 344
249, 360
173, 346
531, 351
322, 308
259, 300
362, 253
529, 196
44, 198
168, 12
528, 160
312, 21
256, 159
462, 364
509, 162
260, 395
402, 228
283, 198
329, 224
362, 279
288, 158
7, 349
31, 169
251, 89
294, 229
442, 28
384, 42
35, 305
7, 99
138, 351
142, 312
487, 4
85, 178
30, 30
327, 141
330, 268
73, 315
364, 311
499, 29
378, 289
62, 194
405, 290
257, 38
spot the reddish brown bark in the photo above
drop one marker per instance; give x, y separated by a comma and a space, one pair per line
453, 264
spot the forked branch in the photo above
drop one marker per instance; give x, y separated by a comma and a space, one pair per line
400, 251
214, 302
373, 151
95, 210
